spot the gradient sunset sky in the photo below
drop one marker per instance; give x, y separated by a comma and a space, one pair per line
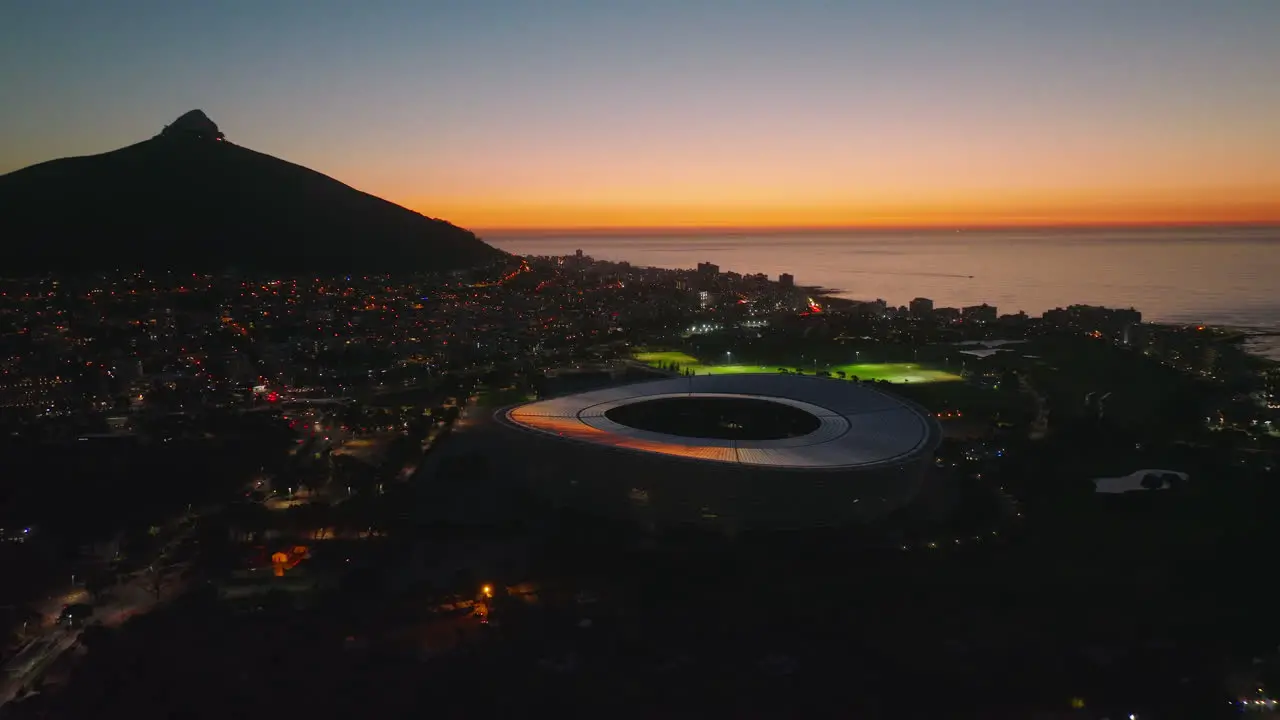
679, 113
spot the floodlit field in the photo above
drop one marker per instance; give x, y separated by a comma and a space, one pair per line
892, 372
731, 369
657, 358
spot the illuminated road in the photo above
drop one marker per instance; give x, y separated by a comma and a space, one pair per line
524, 268
134, 595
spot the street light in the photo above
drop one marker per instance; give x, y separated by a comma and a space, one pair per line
487, 591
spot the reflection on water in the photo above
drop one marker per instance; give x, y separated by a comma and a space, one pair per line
1200, 275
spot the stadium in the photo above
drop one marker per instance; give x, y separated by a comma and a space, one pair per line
735, 451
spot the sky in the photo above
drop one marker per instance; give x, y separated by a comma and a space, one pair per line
689, 113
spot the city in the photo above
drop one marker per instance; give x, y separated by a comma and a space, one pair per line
881, 359
310, 455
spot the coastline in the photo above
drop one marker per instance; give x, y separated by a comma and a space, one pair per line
1211, 275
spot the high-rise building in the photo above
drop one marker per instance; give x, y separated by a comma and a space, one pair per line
921, 307
983, 313
706, 268
1092, 318
947, 314
1135, 334
787, 280
877, 307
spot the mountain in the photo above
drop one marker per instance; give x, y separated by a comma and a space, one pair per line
189, 199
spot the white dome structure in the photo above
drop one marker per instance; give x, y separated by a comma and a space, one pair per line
740, 450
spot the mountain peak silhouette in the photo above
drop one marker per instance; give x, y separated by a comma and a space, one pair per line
193, 123
186, 200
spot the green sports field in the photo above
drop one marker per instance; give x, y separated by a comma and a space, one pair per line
657, 358
892, 372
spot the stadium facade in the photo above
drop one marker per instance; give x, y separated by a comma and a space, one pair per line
774, 451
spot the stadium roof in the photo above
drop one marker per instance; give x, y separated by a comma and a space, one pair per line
858, 424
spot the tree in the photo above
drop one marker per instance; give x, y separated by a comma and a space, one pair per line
96, 584
96, 636
400, 451
247, 519
155, 580
25, 622
320, 517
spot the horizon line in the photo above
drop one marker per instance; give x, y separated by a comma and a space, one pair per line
618, 230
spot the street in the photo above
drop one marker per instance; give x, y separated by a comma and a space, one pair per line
134, 595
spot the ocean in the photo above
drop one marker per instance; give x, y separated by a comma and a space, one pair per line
1226, 276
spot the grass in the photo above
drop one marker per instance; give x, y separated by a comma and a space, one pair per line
498, 397
892, 372
974, 401
655, 358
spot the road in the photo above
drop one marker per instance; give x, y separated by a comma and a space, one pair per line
133, 595
1039, 426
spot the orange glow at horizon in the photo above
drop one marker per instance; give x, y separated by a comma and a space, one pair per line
1233, 206
803, 171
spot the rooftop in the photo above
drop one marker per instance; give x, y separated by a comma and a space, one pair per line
852, 424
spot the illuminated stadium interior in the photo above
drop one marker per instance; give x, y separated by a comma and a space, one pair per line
728, 418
